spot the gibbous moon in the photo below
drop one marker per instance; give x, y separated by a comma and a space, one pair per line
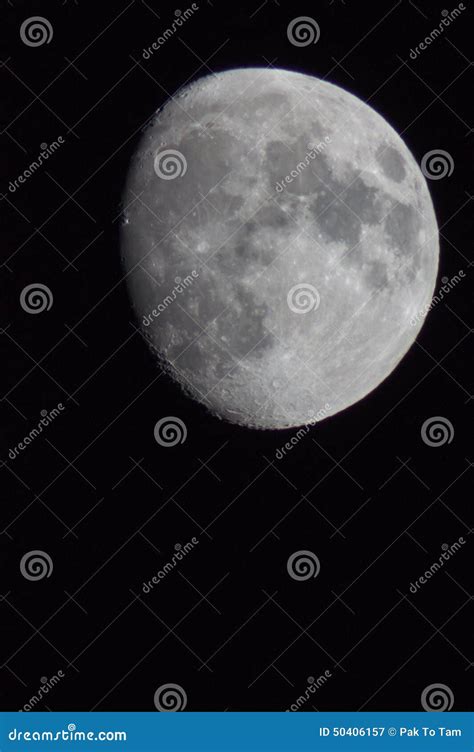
279, 239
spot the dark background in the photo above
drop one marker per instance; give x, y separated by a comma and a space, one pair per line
108, 504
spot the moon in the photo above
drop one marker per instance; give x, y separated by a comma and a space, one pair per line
280, 245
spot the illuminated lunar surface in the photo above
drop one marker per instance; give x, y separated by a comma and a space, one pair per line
304, 237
